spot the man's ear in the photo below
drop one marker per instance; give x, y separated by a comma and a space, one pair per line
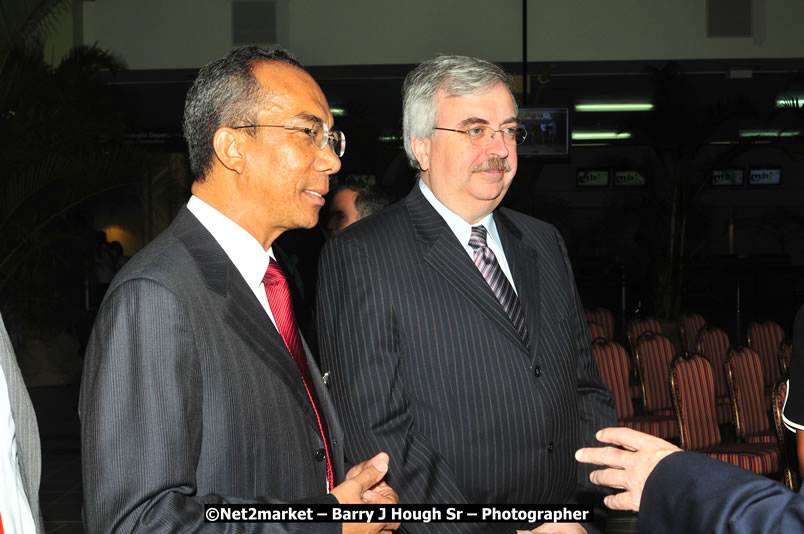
230, 149
421, 149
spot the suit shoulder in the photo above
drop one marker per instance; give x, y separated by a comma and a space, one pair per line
164, 260
377, 226
527, 224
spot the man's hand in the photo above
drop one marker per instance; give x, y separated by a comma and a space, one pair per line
628, 469
555, 528
364, 485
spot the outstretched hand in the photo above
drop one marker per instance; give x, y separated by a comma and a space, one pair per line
627, 469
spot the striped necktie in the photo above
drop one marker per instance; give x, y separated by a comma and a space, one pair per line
278, 293
490, 269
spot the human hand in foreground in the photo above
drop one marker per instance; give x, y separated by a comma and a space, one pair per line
627, 469
555, 528
364, 485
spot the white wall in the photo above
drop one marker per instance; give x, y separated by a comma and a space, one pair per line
188, 33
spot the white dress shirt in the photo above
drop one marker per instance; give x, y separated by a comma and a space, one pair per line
15, 512
463, 231
242, 248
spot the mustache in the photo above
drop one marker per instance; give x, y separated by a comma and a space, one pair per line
493, 164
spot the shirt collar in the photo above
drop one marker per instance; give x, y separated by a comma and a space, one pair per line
461, 228
243, 249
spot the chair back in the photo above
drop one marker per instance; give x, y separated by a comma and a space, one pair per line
791, 473
639, 325
746, 387
653, 355
694, 401
713, 344
596, 331
604, 318
614, 367
689, 325
785, 353
765, 337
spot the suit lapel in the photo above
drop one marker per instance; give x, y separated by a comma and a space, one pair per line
449, 260
241, 311
523, 262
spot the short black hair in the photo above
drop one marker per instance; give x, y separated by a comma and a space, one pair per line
225, 93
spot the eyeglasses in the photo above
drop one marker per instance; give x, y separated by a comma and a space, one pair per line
484, 135
320, 136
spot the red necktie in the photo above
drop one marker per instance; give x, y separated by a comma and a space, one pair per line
278, 293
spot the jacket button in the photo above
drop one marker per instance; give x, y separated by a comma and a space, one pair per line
550, 447
537, 371
320, 455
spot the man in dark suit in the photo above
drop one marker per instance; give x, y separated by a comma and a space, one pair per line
678, 491
197, 386
452, 330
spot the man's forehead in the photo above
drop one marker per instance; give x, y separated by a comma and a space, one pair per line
497, 99
293, 91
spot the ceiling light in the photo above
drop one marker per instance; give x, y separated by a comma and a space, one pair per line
769, 133
337, 112
578, 135
790, 101
625, 106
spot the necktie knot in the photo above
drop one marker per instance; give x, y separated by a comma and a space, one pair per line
478, 238
274, 274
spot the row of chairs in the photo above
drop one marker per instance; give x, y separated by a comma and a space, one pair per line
710, 384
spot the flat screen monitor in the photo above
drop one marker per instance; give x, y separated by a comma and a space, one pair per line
728, 177
592, 178
629, 178
765, 176
548, 131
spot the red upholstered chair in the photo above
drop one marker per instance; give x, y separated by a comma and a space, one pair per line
713, 344
765, 337
689, 325
787, 439
596, 331
694, 400
613, 363
604, 318
639, 325
744, 372
785, 353
653, 355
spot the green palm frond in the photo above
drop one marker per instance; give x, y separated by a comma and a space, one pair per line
23, 20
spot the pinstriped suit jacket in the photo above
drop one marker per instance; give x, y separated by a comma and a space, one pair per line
426, 365
190, 397
29, 453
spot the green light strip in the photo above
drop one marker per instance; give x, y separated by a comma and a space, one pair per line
579, 135
633, 106
769, 133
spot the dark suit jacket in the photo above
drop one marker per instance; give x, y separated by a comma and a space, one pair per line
689, 492
29, 453
190, 397
426, 365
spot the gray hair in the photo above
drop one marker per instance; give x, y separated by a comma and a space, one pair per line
456, 76
225, 93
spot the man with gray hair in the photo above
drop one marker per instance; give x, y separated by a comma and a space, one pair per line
452, 330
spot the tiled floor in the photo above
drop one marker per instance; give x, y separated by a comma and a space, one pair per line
60, 492
60, 487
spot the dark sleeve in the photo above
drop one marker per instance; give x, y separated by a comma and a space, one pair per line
357, 332
690, 492
595, 402
794, 405
141, 421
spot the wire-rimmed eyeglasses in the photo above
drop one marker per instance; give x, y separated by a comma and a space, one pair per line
321, 135
484, 135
